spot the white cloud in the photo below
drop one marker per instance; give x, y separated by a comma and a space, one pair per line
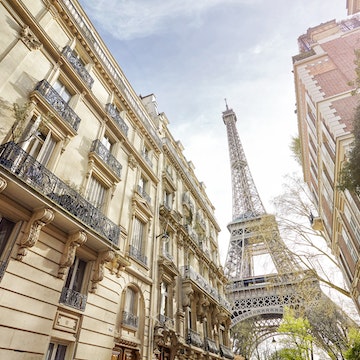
138, 19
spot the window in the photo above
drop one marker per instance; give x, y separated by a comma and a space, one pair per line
61, 89
143, 188
6, 229
56, 351
72, 294
168, 196
130, 308
164, 300
137, 241
39, 142
96, 193
146, 156
107, 142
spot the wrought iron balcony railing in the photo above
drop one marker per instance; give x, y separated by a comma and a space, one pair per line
58, 104
106, 156
166, 321
115, 115
145, 155
226, 352
73, 298
210, 345
78, 65
194, 338
137, 254
130, 319
189, 273
144, 194
26, 168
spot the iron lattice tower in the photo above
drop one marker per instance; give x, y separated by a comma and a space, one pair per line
254, 233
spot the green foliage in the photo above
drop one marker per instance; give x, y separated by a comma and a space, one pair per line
295, 148
350, 172
353, 351
299, 340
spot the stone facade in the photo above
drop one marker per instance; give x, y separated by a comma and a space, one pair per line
324, 71
108, 241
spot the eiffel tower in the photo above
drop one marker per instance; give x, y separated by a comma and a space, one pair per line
254, 292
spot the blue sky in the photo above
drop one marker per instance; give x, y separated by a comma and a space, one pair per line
194, 53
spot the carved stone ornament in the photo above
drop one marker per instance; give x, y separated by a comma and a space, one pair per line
132, 161
3, 184
74, 241
29, 39
102, 258
31, 235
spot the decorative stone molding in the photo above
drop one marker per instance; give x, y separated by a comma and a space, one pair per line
29, 39
188, 293
74, 241
102, 258
118, 264
31, 235
3, 184
132, 161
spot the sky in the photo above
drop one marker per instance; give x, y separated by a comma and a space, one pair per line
192, 54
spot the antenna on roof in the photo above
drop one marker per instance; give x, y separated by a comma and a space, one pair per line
227, 108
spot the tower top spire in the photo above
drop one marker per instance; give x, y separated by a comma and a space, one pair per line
245, 197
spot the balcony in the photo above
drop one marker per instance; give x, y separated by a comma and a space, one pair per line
104, 154
73, 299
210, 345
137, 254
130, 319
226, 352
166, 322
144, 194
192, 233
58, 104
145, 156
189, 273
194, 338
78, 66
26, 168
115, 115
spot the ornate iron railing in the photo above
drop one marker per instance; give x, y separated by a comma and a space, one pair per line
58, 104
226, 352
73, 298
144, 194
192, 233
189, 273
78, 65
106, 156
210, 345
145, 155
108, 64
194, 338
115, 115
26, 168
130, 319
166, 321
137, 254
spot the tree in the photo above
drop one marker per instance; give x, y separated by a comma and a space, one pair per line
353, 351
299, 338
307, 245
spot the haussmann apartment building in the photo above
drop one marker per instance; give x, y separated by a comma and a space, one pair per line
324, 72
108, 241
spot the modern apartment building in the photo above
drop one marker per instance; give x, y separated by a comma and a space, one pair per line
108, 241
324, 71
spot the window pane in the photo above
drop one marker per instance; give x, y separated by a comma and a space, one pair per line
6, 227
138, 234
75, 276
60, 352
96, 193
